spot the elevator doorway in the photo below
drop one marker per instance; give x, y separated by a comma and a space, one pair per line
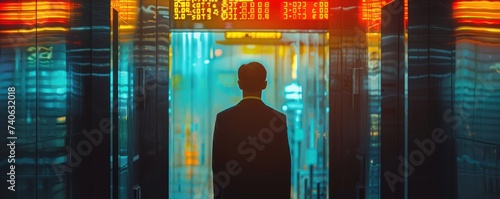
204, 82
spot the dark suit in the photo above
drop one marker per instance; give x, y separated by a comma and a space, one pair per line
251, 155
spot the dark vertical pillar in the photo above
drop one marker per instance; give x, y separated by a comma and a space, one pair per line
89, 101
114, 131
348, 100
442, 166
430, 71
392, 123
418, 85
162, 98
99, 160
80, 90
335, 100
151, 63
147, 109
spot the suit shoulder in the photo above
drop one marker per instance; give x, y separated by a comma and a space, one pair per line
226, 112
275, 111
280, 115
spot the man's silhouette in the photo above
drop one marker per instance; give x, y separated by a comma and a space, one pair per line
251, 155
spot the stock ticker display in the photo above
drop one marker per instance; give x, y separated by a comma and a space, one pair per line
250, 14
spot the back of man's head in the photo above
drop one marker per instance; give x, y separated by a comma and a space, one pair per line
252, 77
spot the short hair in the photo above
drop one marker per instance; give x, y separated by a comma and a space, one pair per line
252, 76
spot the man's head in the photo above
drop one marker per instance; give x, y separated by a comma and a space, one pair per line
252, 77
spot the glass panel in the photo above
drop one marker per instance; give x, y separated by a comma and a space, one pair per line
143, 38
204, 82
372, 19
52, 20
477, 99
51, 95
126, 110
127, 102
33, 61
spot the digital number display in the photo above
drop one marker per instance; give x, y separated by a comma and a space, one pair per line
252, 10
304, 10
240, 14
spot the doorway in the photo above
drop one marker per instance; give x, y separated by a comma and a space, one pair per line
203, 75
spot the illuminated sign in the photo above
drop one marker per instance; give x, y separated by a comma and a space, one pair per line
304, 10
248, 14
253, 35
228, 10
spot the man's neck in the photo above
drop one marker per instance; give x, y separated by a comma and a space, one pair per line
252, 94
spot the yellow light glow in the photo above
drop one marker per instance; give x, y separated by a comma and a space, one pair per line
128, 11
253, 35
127, 27
61, 119
482, 5
32, 13
36, 30
477, 12
483, 29
294, 67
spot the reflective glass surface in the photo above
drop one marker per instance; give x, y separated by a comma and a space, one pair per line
54, 53
440, 59
476, 117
